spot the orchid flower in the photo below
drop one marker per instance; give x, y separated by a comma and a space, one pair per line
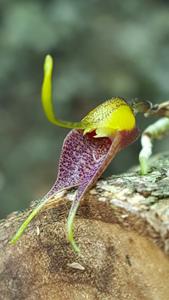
87, 149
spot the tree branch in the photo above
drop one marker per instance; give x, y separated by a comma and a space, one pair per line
122, 228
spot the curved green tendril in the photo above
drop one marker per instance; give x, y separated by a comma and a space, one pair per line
70, 222
47, 97
27, 221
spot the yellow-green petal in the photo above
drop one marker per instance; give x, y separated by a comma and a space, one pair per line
47, 97
107, 118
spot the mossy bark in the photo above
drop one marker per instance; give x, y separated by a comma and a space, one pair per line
122, 228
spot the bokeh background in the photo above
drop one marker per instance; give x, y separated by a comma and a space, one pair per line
101, 49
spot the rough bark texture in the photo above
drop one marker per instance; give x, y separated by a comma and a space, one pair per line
122, 228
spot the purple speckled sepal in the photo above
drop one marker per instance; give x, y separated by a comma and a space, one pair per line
84, 158
80, 158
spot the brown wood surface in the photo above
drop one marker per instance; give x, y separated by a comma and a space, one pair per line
122, 228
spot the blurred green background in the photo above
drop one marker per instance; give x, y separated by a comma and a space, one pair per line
101, 49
